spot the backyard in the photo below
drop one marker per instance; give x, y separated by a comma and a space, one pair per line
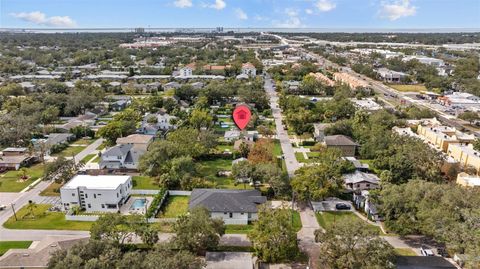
175, 206
44, 220
144, 183
245, 229
10, 181
6, 245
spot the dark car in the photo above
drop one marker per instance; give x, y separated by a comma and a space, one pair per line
442, 252
342, 206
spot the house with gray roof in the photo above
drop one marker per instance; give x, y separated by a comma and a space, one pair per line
232, 206
359, 181
342, 142
124, 156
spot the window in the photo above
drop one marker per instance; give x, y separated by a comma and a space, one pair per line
231, 215
103, 206
73, 194
94, 196
89, 206
86, 195
224, 213
117, 194
241, 213
368, 185
99, 194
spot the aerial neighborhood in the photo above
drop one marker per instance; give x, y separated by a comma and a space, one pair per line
355, 148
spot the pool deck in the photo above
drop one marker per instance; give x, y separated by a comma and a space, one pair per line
125, 209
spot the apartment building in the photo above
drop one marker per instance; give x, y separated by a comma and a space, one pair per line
465, 155
441, 136
350, 80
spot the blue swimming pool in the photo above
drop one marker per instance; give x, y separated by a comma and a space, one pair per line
138, 204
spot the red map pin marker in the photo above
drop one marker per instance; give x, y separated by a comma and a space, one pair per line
241, 116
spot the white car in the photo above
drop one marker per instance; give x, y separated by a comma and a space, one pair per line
426, 251
3, 207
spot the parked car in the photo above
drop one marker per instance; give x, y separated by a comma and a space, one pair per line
3, 207
342, 206
442, 252
426, 251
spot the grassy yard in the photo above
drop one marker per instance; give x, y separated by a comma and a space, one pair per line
52, 190
85, 142
96, 160
6, 245
88, 158
10, 181
70, 151
176, 206
408, 88
144, 183
225, 147
328, 219
238, 229
300, 158
277, 150
405, 252
44, 220
297, 222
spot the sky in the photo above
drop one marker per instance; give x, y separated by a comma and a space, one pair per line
341, 14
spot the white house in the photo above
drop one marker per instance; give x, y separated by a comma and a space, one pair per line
249, 70
96, 193
390, 75
123, 156
185, 72
232, 206
359, 181
231, 135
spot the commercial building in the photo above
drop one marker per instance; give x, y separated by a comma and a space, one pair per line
425, 60
390, 76
96, 193
465, 155
441, 136
467, 180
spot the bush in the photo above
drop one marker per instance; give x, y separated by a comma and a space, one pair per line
157, 202
57, 148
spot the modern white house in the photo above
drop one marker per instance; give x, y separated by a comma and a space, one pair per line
232, 206
96, 193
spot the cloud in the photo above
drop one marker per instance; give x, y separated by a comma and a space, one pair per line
241, 14
325, 5
183, 3
309, 11
219, 4
293, 21
397, 10
40, 18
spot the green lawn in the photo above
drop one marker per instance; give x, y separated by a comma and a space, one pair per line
297, 222
52, 190
225, 147
405, 252
70, 151
408, 88
277, 150
96, 160
6, 245
44, 220
328, 219
144, 183
176, 206
238, 229
10, 181
88, 158
85, 142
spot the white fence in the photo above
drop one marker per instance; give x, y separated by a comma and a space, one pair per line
153, 192
81, 217
179, 193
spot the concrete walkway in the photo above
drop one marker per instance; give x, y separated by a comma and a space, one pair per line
306, 236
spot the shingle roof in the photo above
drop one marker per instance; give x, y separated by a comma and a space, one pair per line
216, 200
118, 150
358, 176
339, 140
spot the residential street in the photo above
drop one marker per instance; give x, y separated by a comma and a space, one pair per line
21, 199
309, 222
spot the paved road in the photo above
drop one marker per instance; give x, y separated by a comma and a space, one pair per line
282, 135
88, 150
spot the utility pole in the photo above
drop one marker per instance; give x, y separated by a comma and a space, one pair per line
14, 213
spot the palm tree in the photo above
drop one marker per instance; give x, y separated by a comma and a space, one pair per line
31, 207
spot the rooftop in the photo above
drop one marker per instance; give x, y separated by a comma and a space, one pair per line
358, 176
219, 200
96, 182
339, 140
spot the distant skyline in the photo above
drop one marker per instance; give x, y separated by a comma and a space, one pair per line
325, 14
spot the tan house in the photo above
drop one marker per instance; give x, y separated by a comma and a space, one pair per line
441, 136
466, 180
139, 141
342, 142
465, 155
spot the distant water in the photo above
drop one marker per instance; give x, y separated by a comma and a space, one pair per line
243, 30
